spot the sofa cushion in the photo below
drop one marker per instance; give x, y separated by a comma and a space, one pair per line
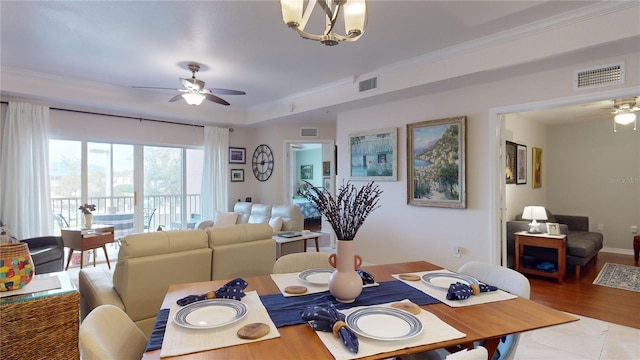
161, 242
238, 234
225, 218
260, 214
576, 240
46, 254
276, 224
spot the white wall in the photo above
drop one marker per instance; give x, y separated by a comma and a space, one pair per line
531, 134
595, 172
399, 232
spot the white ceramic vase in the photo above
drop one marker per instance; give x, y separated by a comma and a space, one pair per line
345, 284
88, 220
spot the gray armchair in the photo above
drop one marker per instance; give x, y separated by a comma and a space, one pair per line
47, 253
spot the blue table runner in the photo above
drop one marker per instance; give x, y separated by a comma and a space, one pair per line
286, 310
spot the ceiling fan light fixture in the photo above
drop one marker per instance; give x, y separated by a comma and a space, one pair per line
193, 99
625, 118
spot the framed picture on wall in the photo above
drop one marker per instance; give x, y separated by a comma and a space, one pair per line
326, 168
521, 164
237, 175
237, 155
436, 163
306, 172
536, 168
374, 155
510, 160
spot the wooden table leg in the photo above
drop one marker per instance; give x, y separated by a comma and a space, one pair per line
69, 259
104, 247
317, 247
491, 345
81, 259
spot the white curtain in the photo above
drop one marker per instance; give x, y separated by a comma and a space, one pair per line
25, 199
215, 172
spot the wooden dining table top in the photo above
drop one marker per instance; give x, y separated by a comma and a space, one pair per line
486, 322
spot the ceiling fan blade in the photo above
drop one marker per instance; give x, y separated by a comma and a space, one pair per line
225, 91
176, 98
158, 88
215, 99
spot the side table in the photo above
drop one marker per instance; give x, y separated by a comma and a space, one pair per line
558, 242
42, 324
302, 237
82, 239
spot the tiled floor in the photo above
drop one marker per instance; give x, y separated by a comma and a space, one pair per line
584, 339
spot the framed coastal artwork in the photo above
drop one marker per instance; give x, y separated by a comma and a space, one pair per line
237, 175
510, 160
521, 164
374, 155
306, 172
237, 155
536, 168
436, 163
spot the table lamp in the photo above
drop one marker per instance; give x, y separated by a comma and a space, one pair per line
534, 213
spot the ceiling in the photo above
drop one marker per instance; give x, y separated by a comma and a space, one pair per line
241, 45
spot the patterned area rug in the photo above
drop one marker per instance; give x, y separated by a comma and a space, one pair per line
618, 276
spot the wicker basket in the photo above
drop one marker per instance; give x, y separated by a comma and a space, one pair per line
16, 266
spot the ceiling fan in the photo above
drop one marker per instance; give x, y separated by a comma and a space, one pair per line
624, 111
194, 91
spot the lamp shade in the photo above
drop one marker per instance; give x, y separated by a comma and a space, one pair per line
193, 99
291, 11
355, 16
534, 213
625, 118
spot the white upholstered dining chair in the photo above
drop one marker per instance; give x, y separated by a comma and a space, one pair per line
107, 333
301, 261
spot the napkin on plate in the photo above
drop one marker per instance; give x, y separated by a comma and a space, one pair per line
234, 289
323, 318
460, 291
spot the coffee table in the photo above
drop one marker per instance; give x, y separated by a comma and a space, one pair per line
302, 237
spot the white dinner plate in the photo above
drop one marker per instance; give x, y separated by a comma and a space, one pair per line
316, 276
444, 280
207, 314
384, 323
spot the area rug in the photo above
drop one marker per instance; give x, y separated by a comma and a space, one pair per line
618, 276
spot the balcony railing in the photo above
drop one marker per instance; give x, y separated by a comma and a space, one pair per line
168, 209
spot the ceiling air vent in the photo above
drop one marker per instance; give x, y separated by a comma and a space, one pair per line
308, 132
369, 84
600, 76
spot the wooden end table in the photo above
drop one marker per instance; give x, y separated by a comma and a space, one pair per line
82, 239
558, 242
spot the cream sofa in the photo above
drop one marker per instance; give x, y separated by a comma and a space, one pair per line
148, 263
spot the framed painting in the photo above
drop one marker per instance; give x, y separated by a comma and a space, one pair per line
237, 155
536, 168
521, 164
326, 183
510, 160
374, 155
306, 172
436, 163
326, 168
237, 175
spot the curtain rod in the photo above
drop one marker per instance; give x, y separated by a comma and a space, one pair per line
122, 116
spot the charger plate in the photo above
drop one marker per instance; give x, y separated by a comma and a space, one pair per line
444, 280
384, 323
208, 314
316, 276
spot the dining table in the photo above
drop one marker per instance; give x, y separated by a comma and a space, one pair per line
486, 322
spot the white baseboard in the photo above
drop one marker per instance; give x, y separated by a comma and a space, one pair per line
617, 251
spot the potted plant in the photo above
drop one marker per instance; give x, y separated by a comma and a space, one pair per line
346, 213
88, 216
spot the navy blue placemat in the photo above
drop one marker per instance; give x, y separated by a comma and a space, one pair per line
286, 310
157, 335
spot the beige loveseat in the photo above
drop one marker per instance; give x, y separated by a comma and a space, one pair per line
148, 263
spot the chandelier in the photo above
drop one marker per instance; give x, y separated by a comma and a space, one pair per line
354, 14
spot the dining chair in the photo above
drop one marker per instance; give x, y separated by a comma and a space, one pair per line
61, 220
108, 333
301, 261
505, 279
148, 216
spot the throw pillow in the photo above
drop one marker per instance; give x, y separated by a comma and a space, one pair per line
225, 218
276, 224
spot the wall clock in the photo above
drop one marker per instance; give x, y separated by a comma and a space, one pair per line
262, 162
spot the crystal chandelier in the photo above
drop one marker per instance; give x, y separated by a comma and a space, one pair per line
354, 14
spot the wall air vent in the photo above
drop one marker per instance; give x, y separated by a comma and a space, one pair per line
367, 85
600, 76
308, 132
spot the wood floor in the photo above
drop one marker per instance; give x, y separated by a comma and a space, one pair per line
594, 301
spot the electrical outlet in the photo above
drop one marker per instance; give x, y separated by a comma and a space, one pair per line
600, 227
457, 251
634, 229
